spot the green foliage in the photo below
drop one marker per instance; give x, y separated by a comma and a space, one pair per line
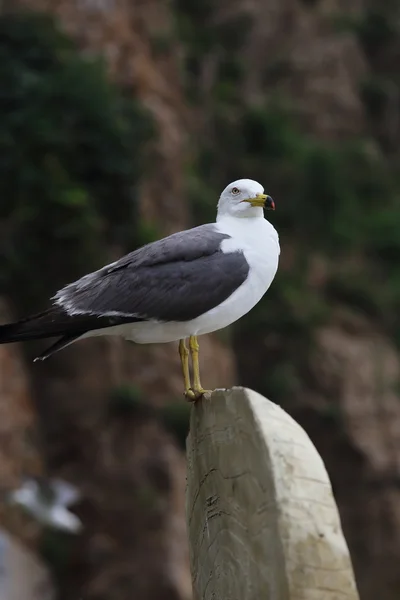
70, 147
332, 414
311, 3
128, 401
375, 94
145, 233
354, 286
147, 497
201, 38
282, 381
378, 27
57, 549
175, 418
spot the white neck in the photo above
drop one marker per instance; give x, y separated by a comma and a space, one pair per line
254, 214
246, 229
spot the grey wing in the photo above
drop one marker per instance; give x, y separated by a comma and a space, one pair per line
177, 278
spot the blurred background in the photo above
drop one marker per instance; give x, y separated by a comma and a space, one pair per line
120, 122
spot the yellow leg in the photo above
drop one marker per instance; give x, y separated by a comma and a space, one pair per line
194, 349
184, 355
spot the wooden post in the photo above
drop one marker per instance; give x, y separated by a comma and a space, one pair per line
262, 520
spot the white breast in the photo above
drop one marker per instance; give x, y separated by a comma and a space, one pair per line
259, 242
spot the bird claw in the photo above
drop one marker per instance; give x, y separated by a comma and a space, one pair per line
194, 395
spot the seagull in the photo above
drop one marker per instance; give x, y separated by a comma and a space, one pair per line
188, 284
47, 502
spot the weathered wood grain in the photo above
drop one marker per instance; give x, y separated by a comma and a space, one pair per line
262, 520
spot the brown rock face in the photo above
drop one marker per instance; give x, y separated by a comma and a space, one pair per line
19, 436
295, 51
359, 371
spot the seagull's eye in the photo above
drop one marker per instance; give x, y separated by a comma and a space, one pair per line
235, 191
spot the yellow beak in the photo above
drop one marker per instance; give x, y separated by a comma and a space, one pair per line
263, 201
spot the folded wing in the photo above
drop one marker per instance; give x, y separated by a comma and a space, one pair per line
177, 278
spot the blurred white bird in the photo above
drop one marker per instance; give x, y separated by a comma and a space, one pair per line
47, 501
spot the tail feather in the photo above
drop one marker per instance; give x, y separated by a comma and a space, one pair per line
56, 322
50, 323
19, 331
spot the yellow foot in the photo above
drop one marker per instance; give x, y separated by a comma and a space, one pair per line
194, 395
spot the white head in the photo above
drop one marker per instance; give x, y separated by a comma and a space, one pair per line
244, 198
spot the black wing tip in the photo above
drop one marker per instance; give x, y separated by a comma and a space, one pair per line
7, 333
40, 358
26, 329
61, 343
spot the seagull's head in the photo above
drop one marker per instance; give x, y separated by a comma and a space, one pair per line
244, 198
